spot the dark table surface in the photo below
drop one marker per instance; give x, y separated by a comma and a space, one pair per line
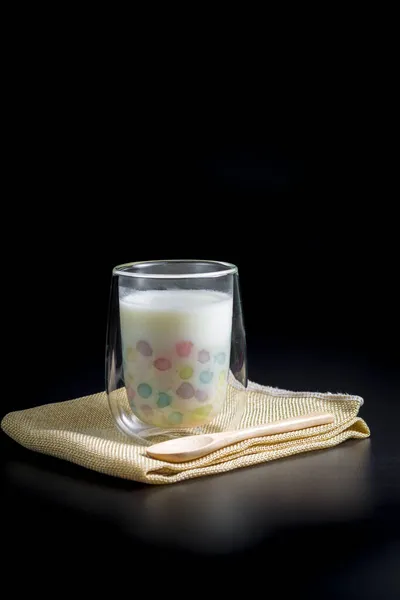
324, 524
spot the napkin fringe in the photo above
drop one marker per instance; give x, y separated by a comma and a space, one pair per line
280, 392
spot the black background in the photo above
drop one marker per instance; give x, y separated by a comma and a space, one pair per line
304, 216
293, 180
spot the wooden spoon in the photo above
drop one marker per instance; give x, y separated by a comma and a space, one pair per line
195, 446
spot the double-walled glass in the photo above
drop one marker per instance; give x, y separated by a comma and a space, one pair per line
175, 337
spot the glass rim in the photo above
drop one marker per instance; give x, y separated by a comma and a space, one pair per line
122, 269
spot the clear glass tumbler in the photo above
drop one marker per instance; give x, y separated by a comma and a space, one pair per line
175, 337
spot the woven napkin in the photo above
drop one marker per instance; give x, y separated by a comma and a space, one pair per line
82, 431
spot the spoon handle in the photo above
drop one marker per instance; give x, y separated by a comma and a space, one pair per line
282, 426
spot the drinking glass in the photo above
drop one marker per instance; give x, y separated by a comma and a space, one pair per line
175, 338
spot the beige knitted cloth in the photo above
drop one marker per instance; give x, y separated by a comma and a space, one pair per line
82, 431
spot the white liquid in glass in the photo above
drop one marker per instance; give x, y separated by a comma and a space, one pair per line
176, 350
